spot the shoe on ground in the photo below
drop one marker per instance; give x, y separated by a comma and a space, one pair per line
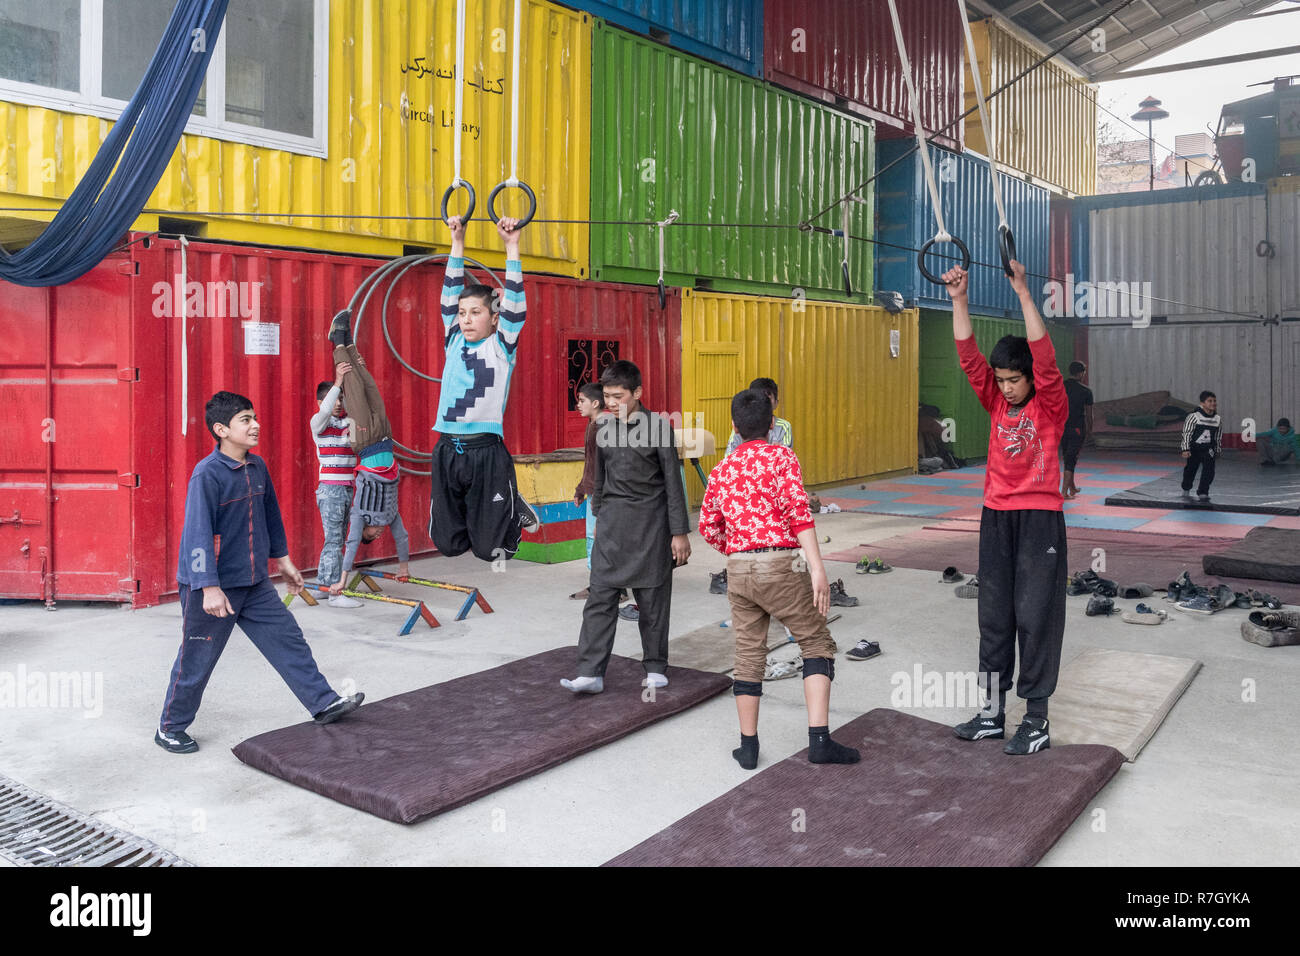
839, 598
1105, 587
584, 685
1099, 605
951, 576
971, 589
1145, 615
175, 742
1243, 601
1031, 737
580, 595
780, 670
1272, 628
981, 726
342, 600
863, 564
878, 566
655, 680
863, 650
1135, 591
718, 582
528, 519
630, 612
339, 709
1187, 494
1204, 499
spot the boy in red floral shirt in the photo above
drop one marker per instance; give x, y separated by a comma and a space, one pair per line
755, 511
1022, 565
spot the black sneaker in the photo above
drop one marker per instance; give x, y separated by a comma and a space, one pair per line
718, 583
1031, 737
1076, 586
175, 742
630, 612
863, 650
341, 328
839, 598
981, 726
528, 519
340, 708
1099, 605
1106, 588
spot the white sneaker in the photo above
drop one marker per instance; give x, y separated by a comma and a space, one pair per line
342, 600
655, 680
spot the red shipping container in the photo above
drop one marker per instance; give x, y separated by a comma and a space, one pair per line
105, 422
844, 52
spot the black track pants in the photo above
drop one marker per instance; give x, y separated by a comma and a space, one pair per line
472, 500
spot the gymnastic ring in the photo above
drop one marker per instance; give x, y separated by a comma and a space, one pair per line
1006, 248
468, 213
532, 201
663, 296
848, 285
920, 258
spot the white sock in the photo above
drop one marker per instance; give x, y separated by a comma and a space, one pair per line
584, 685
655, 680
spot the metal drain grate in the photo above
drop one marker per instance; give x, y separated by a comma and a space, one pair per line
38, 831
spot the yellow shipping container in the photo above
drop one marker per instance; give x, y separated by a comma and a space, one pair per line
848, 376
388, 139
1045, 123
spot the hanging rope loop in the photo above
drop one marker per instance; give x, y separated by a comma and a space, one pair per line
513, 181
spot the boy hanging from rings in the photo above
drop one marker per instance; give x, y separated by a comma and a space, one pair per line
474, 502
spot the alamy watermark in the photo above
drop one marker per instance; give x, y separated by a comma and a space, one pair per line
1098, 300
53, 690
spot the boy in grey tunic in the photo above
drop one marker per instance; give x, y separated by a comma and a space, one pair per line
640, 508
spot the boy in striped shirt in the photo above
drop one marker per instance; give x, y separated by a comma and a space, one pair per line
474, 502
329, 429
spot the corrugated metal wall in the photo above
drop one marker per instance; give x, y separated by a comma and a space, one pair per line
852, 405
907, 219
843, 52
943, 384
729, 32
1045, 124
673, 132
379, 151
1250, 367
1196, 246
1284, 233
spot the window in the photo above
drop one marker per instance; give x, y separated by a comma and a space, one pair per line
266, 83
588, 358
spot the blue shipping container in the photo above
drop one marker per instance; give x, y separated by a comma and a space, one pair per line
1082, 207
729, 32
906, 219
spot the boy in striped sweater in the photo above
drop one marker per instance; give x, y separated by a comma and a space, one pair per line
474, 502
1202, 444
329, 429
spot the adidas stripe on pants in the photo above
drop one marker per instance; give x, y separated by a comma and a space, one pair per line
1022, 574
472, 498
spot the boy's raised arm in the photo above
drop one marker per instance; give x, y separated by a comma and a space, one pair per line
1035, 328
513, 306
453, 282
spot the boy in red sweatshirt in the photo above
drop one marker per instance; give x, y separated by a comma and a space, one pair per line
1022, 563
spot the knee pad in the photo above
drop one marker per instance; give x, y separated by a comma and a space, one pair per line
819, 665
747, 688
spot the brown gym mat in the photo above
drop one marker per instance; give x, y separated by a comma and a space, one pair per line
920, 797
1264, 554
420, 753
1117, 698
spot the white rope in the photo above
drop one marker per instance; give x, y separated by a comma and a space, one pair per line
514, 99
460, 88
942, 235
663, 223
846, 233
185, 353
984, 116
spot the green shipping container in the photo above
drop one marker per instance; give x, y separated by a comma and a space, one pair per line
673, 132
944, 384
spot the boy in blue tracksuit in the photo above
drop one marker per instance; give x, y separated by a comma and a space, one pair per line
232, 528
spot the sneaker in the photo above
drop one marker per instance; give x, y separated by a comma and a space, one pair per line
839, 598
1099, 605
951, 576
1135, 591
1144, 615
528, 519
971, 589
878, 566
718, 582
1187, 494
1203, 499
630, 612
1106, 588
341, 328
862, 566
981, 726
175, 742
780, 670
342, 600
1076, 586
1031, 737
863, 650
339, 709
655, 680
1272, 629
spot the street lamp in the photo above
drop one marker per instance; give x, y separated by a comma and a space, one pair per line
1150, 111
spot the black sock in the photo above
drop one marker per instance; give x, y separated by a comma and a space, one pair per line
747, 753
821, 749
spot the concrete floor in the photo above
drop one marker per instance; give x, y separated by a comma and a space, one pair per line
1217, 785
